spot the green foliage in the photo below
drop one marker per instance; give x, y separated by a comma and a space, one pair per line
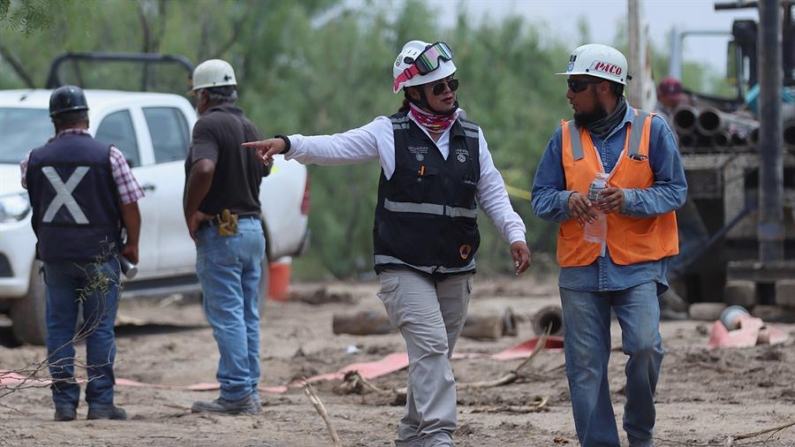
319, 67
27, 16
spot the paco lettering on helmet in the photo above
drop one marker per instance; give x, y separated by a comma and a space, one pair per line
605, 67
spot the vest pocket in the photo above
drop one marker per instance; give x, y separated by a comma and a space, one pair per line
641, 241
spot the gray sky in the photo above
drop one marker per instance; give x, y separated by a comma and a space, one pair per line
604, 16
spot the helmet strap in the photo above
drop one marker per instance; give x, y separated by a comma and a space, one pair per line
423, 103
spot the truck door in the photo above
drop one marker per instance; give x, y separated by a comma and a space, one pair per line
117, 128
170, 134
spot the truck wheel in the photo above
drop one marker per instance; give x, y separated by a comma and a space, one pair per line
29, 314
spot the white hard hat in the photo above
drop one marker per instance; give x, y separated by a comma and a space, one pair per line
408, 70
600, 61
213, 73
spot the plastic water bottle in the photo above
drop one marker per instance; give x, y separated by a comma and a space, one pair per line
596, 231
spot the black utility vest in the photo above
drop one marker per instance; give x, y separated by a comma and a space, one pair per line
426, 217
76, 211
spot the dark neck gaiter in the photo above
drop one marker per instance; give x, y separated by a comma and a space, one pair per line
602, 127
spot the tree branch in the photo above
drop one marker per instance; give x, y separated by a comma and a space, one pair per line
147, 31
17, 67
236, 29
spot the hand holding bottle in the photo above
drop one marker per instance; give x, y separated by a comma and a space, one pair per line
611, 200
596, 230
581, 208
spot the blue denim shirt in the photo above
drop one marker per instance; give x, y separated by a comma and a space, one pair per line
668, 193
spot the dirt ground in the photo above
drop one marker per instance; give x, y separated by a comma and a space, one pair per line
703, 398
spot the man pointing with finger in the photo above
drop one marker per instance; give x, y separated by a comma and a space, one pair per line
627, 271
436, 171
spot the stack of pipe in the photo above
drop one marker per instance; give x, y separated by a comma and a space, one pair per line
710, 127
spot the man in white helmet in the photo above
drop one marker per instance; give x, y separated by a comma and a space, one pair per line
222, 212
627, 271
435, 169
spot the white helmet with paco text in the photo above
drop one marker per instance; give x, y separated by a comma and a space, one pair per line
600, 61
420, 63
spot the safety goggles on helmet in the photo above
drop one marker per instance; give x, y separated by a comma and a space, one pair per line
440, 86
426, 62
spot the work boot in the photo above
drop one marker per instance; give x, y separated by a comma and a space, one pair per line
257, 402
107, 412
246, 405
65, 414
635, 442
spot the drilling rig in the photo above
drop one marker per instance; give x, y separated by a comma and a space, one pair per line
739, 159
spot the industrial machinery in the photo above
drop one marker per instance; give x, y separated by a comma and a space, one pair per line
739, 158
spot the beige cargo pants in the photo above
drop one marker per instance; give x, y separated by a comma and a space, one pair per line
430, 315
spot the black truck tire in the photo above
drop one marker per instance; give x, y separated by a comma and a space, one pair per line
29, 314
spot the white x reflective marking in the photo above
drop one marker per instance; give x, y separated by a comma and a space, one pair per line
64, 194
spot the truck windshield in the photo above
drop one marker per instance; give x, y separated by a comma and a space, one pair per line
22, 130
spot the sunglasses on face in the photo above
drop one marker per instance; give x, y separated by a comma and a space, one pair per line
439, 87
428, 61
579, 85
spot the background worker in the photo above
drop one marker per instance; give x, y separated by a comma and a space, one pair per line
627, 272
83, 195
670, 96
693, 234
435, 167
222, 212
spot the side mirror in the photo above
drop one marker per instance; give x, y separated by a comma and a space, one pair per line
732, 62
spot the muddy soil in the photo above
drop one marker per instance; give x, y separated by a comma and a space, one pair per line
704, 397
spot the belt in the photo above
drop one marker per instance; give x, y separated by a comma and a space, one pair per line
214, 221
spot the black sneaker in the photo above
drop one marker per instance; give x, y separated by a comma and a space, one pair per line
65, 414
110, 412
246, 405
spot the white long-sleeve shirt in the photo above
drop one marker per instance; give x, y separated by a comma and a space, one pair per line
376, 140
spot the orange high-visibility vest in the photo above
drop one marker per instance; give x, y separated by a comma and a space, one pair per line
629, 239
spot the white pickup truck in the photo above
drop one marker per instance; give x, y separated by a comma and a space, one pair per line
153, 132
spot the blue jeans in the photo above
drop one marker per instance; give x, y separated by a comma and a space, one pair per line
229, 269
97, 286
586, 317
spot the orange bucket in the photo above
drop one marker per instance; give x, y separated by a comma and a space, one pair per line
279, 279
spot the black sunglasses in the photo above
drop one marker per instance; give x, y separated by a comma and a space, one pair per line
439, 87
579, 85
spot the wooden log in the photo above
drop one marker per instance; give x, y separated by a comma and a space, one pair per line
486, 327
362, 323
479, 327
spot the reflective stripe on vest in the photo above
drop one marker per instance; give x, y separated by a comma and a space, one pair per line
426, 216
634, 137
431, 270
471, 130
429, 208
401, 122
629, 239
64, 195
